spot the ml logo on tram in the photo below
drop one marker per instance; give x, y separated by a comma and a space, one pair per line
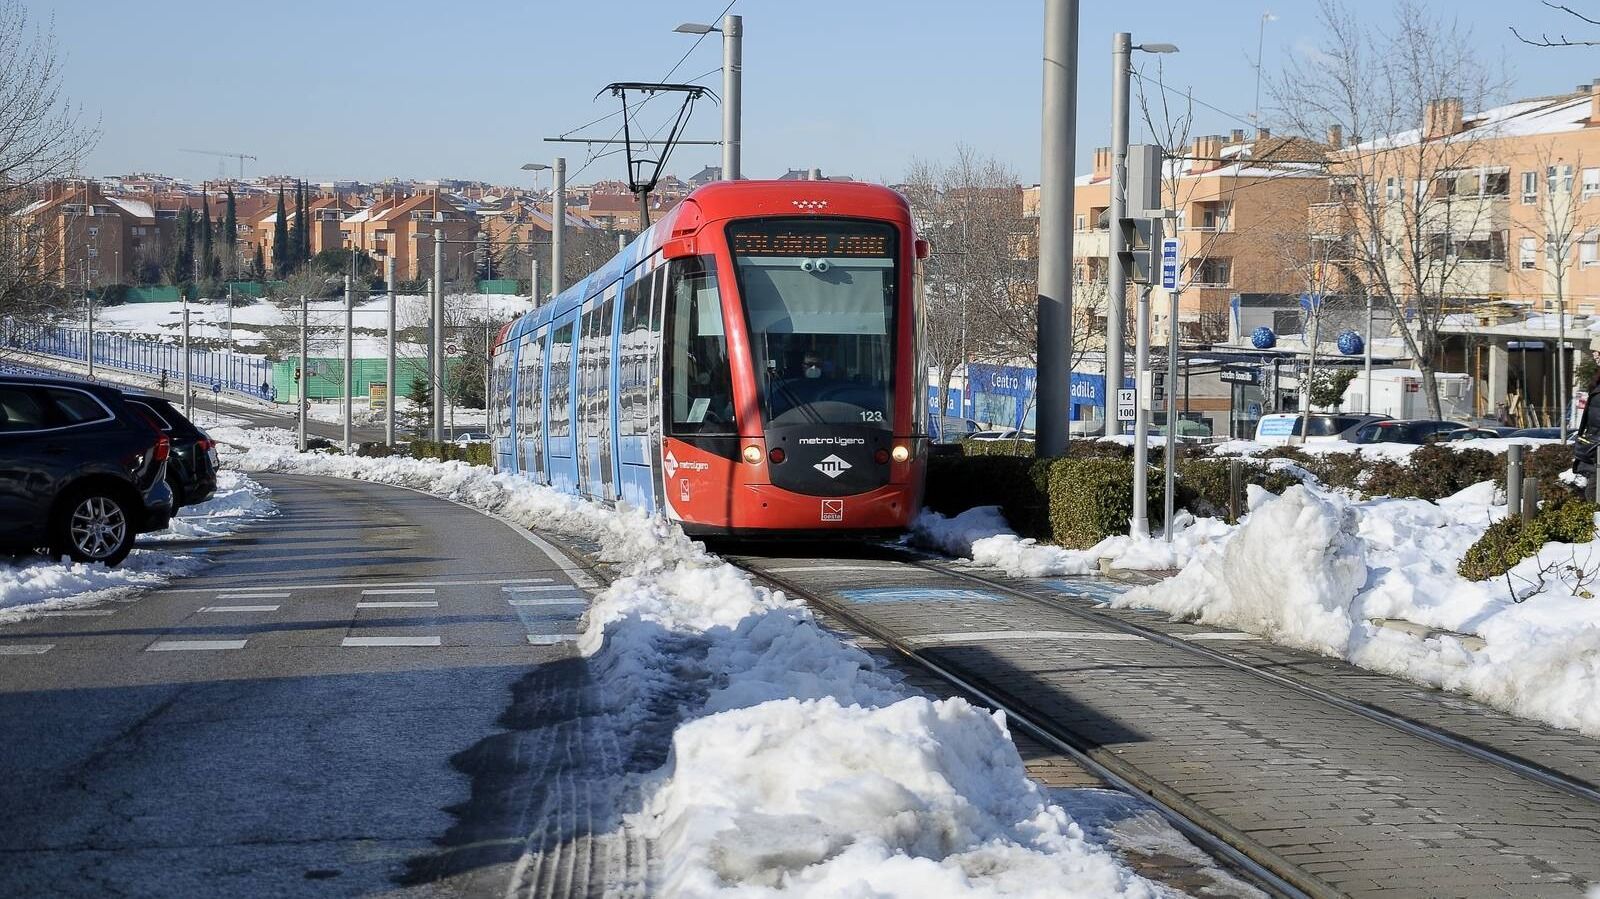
833, 466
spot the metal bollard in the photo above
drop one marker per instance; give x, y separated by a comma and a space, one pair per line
1530, 498
1235, 489
1513, 480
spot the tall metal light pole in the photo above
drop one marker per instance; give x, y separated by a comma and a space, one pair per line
438, 335
1139, 526
732, 87
305, 371
388, 371
89, 351
349, 359
558, 224
188, 408
1055, 224
1170, 475
1122, 48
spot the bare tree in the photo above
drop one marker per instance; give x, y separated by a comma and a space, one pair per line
1407, 196
42, 138
1561, 40
1566, 228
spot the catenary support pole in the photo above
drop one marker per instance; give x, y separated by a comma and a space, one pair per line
438, 336
1514, 479
1116, 277
1366, 358
388, 369
1055, 224
188, 398
349, 360
558, 223
88, 351
301, 390
1139, 526
1169, 476
732, 93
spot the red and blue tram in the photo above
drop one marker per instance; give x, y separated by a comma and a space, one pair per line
749, 365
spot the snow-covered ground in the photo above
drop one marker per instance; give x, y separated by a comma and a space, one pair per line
798, 765
28, 587
1314, 569
209, 321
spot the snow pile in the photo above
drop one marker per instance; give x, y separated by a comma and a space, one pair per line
46, 585
1313, 569
982, 536
798, 767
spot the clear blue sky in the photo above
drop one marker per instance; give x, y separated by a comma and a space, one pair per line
332, 89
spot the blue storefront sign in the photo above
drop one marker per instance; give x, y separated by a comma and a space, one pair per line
1007, 395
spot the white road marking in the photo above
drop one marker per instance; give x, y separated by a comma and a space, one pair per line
178, 645
237, 609
555, 588
400, 591
551, 639
397, 605
574, 601
390, 641
249, 594
346, 585
983, 636
1221, 635
25, 649
76, 613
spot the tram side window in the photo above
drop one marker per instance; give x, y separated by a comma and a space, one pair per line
602, 361
635, 356
701, 393
533, 381
560, 392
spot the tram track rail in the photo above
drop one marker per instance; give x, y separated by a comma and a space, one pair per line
1259, 864
1256, 861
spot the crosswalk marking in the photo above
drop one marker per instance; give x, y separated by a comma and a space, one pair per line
25, 649
399, 591
346, 585
398, 605
553, 588
389, 641
180, 645
982, 636
225, 597
574, 601
237, 609
76, 613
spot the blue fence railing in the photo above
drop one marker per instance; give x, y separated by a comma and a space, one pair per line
247, 375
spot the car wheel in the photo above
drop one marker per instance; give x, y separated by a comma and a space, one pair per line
177, 493
93, 526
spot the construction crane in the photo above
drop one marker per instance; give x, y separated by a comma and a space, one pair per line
239, 156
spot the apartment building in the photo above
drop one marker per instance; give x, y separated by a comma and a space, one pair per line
84, 236
402, 228
325, 215
1241, 214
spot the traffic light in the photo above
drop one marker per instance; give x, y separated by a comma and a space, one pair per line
1141, 248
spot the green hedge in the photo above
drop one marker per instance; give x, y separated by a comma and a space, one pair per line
1203, 484
1510, 540
472, 453
1091, 499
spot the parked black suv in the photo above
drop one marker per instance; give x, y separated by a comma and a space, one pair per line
192, 467
81, 471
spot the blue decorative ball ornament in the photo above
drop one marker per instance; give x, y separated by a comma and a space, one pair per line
1350, 343
1262, 338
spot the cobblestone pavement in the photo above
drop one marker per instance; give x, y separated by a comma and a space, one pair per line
1362, 807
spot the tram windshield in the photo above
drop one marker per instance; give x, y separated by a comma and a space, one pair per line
819, 299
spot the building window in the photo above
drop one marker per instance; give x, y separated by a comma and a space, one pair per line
1391, 189
1484, 249
1559, 178
1081, 221
1530, 188
1528, 253
1591, 182
1587, 255
1213, 273
1496, 184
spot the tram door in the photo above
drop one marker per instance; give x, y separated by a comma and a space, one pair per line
603, 372
585, 401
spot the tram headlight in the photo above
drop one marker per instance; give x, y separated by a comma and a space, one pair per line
752, 454
901, 453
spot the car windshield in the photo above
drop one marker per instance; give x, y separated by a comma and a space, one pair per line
819, 300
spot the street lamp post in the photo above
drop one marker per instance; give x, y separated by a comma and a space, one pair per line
1122, 48
732, 86
1055, 225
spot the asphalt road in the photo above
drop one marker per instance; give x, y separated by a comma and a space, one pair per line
296, 719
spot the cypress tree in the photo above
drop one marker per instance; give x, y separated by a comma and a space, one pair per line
258, 269
297, 237
206, 255
280, 240
230, 234
185, 266
305, 224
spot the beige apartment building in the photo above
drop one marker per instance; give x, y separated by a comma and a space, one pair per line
83, 237
1241, 214
1503, 206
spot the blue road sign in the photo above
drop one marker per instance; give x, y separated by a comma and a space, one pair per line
1169, 263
